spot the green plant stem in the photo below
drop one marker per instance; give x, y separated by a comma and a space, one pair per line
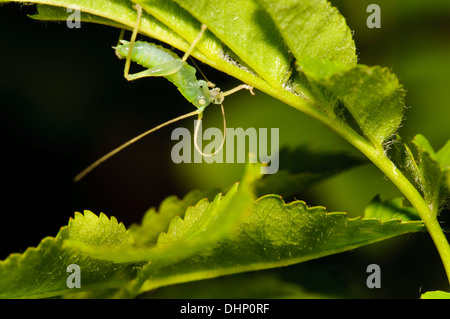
380, 159
441, 243
417, 201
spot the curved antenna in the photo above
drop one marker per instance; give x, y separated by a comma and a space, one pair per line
197, 126
133, 140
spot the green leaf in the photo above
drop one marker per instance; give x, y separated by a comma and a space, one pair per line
119, 13
50, 13
424, 168
99, 231
248, 32
443, 157
88, 240
401, 155
438, 294
277, 234
203, 226
313, 29
368, 99
42, 271
155, 221
303, 166
430, 171
270, 234
187, 26
390, 209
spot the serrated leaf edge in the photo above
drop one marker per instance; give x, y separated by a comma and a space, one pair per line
323, 209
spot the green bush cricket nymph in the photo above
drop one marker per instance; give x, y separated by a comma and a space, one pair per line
160, 61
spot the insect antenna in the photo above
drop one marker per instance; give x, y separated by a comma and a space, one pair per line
133, 140
197, 127
198, 68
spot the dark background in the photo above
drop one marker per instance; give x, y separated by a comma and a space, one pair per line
65, 103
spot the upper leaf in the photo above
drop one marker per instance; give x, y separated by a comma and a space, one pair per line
248, 31
313, 29
368, 99
119, 13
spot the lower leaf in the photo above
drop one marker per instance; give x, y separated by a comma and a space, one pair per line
278, 234
43, 271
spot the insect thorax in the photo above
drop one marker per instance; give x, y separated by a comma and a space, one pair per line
195, 91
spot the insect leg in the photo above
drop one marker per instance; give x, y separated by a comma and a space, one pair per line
222, 95
194, 43
133, 39
160, 70
237, 88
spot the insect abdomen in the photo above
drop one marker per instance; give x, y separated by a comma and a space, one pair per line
147, 54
